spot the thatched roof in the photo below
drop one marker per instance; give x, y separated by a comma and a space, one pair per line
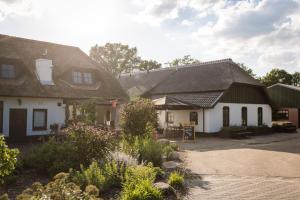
23, 53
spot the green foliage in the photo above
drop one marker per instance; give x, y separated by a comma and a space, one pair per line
150, 151
247, 69
277, 76
82, 145
51, 157
167, 150
176, 180
105, 177
187, 59
4, 197
117, 58
137, 116
138, 183
144, 190
8, 159
60, 188
90, 143
146, 65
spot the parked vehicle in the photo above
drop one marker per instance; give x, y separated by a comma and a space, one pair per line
284, 126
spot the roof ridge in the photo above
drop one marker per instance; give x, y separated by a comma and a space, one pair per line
226, 60
33, 40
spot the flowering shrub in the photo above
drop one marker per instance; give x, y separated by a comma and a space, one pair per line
59, 188
136, 116
8, 159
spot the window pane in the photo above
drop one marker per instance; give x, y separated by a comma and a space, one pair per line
244, 116
88, 78
194, 117
77, 77
39, 119
7, 71
169, 117
260, 116
225, 116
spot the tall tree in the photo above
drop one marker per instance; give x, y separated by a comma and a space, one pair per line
185, 60
296, 79
147, 65
115, 57
277, 76
247, 69
118, 58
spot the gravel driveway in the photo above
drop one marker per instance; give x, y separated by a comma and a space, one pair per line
263, 167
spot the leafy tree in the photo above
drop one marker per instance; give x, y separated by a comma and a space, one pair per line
8, 159
296, 79
118, 58
247, 69
115, 57
149, 65
137, 116
187, 59
277, 76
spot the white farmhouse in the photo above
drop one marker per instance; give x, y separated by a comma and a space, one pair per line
212, 94
41, 83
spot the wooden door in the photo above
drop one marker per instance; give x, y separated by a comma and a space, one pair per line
1, 116
17, 124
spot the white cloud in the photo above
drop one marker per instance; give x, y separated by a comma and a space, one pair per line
187, 23
15, 8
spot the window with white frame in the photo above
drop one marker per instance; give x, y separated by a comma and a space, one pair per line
87, 77
39, 121
77, 77
7, 71
170, 117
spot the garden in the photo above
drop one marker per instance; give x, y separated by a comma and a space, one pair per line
86, 162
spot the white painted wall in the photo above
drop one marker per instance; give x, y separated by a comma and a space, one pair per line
214, 116
56, 114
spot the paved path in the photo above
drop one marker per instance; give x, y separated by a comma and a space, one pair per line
260, 168
227, 187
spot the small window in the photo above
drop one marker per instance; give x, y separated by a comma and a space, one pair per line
259, 116
7, 71
77, 77
244, 116
170, 117
194, 117
282, 115
87, 77
39, 119
225, 116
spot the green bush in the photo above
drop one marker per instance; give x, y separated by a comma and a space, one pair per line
8, 159
138, 183
136, 116
176, 180
60, 188
110, 175
91, 143
145, 149
82, 145
51, 157
144, 190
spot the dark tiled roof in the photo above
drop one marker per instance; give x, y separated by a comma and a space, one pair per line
203, 100
64, 58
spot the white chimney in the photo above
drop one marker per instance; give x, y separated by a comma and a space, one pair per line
44, 68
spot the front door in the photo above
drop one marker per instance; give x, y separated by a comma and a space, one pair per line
17, 124
1, 116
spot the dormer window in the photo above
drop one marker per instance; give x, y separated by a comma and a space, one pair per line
7, 71
77, 77
82, 77
87, 77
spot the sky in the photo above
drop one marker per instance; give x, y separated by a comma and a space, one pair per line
262, 34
